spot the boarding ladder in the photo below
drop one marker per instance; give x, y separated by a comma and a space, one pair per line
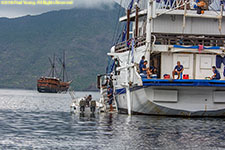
104, 99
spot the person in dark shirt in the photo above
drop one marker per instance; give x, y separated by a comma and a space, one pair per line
88, 99
153, 70
200, 6
109, 82
144, 70
216, 75
110, 96
141, 62
178, 70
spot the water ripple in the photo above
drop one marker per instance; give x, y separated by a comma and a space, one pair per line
29, 120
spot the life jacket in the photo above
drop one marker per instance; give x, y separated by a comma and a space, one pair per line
201, 4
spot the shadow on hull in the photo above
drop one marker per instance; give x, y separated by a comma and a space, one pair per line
183, 114
47, 90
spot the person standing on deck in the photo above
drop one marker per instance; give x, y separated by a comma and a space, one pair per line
216, 75
110, 96
178, 70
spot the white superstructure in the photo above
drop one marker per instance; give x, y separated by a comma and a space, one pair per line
166, 31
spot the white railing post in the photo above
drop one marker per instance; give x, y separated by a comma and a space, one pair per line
128, 92
220, 17
150, 15
149, 25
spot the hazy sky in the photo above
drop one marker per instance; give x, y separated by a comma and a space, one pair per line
12, 11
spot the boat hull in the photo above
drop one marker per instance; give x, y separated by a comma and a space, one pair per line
189, 101
52, 85
46, 90
51, 90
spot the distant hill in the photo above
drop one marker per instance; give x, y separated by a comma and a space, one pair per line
27, 42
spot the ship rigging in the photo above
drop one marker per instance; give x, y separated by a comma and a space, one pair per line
52, 83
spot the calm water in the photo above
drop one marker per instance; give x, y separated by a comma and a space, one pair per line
29, 120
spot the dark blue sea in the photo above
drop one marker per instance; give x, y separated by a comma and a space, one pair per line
30, 120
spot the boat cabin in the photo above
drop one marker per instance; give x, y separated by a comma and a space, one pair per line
167, 31
175, 32
197, 63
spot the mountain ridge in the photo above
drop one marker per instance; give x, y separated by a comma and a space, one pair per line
27, 42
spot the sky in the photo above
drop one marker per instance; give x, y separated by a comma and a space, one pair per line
15, 10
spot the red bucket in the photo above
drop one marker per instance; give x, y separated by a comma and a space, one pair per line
166, 76
185, 76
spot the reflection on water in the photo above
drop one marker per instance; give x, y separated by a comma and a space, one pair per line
29, 120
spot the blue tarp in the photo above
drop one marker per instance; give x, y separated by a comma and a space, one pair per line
189, 82
195, 47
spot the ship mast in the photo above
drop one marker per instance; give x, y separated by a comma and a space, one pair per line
53, 66
63, 64
52, 62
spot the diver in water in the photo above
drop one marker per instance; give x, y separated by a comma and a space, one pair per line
88, 99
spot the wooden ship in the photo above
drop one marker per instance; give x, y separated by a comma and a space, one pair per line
51, 83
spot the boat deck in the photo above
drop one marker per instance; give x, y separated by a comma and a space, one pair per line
183, 82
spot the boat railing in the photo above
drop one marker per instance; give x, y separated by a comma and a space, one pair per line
125, 46
168, 4
189, 40
179, 4
174, 39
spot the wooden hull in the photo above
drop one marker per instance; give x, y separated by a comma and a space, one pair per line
52, 85
46, 90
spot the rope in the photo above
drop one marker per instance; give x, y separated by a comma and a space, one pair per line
116, 27
113, 38
118, 38
109, 65
130, 6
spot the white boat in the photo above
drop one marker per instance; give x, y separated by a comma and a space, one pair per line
79, 105
166, 32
